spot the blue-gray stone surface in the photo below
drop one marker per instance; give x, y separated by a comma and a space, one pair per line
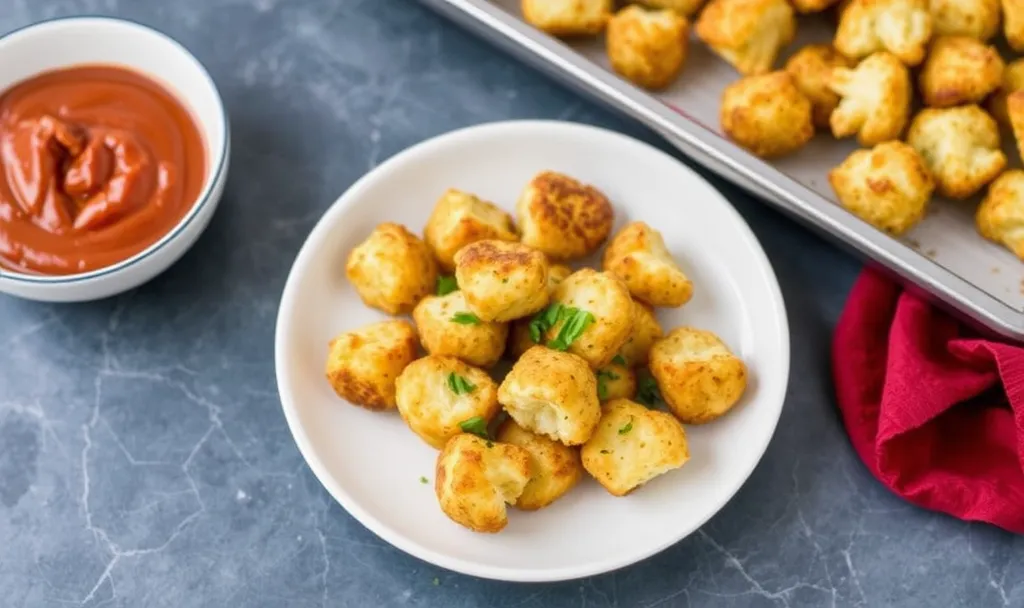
144, 459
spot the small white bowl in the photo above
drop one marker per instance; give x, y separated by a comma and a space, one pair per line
63, 43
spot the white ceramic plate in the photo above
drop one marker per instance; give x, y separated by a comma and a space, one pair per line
372, 464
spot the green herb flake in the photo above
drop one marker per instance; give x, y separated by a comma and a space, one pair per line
544, 320
603, 375
627, 428
459, 385
436, 581
575, 322
648, 392
605, 452
465, 318
476, 425
619, 360
446, 284
424, 480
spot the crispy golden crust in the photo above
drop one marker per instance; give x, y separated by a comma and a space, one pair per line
874, 99
975, 18
479, 344
812, 6
637, 255
647, 48
460, 218
392, 269
555, 468
363, 364
1013, 23
607, 299
1015, 114
1013, 80
615, 381
553, 394
562, 217
888, 186
767, 115
960, 146
747, 33
1000, 216
502, 281
632, 445
474, 479
646, 331
960, 70
901, 27
811, 68
568, 17
699, 378
429, 406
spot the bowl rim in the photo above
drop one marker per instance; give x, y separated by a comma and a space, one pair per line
205, 195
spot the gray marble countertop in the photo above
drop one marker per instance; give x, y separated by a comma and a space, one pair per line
144, 458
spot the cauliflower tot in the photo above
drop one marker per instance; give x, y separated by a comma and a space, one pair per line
568, 17
747, 33
975, 18
1000, 216
888, 186
646, 331
960, 146
686, 8
615, 381
363, 364
460, 218
436, 394
607, 300
555, 468
648, 48
391, 270
811, 67
1015, 114
1013, 24
699, 378
563, 218
1013, 80
476, 478
874, 99
959, 70
447, 327
638, 256
632, 445
552, 393
902, 27
502, 281
767, 115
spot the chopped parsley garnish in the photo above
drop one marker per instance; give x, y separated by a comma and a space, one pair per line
446, 284
545, 320
627, 428
648, 392
602, 387
476, 425
619, 360
424, 480
459, 385
465, 318
575, 322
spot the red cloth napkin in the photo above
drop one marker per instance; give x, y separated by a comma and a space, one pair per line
934, 411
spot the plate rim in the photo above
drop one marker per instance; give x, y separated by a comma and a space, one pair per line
320, 471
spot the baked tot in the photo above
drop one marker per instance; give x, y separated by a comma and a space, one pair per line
888, 186
448, 327
637, 255
1000, 216
975, 18
686, 8
767, 115
1015, 114
959, 70
552, 393
874, 99
435, 395
632, 445
391, 270
960, 146
519, 339
568, 17
811, 67
562, 217
1013, 24
554, 468
615, 381
901, 27
699, 378
646, 331
502, 281
1013, 80
363, 364
747, 33
591, 315
646, 47
476, 478
460, 218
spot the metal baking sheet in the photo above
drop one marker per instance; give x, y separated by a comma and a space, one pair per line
943, 255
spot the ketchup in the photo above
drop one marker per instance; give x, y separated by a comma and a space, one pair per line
97, 163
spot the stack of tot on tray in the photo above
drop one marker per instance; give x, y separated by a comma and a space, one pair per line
862, 85
595, 384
